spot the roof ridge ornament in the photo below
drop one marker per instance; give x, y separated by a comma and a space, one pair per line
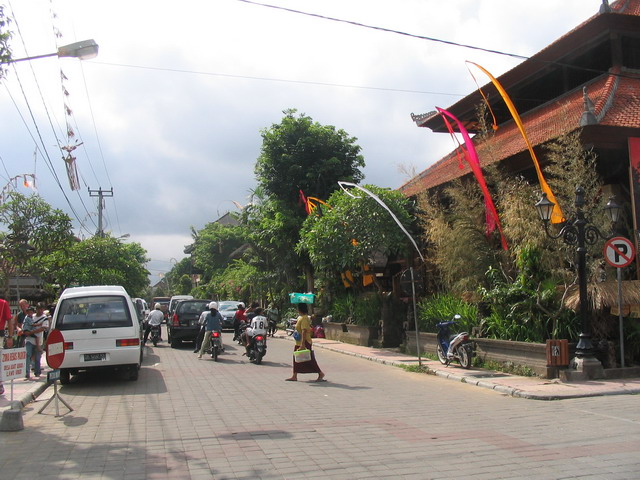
605, 7
588, 116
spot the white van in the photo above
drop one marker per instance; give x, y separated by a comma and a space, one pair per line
101, 330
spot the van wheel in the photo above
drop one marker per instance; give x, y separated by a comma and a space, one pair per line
65, 376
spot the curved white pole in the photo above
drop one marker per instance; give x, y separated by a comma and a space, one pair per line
377, 199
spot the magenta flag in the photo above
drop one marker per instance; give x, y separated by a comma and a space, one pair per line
471, 156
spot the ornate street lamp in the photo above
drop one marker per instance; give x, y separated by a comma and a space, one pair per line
577, 231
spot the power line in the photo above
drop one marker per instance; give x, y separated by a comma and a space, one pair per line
270, 79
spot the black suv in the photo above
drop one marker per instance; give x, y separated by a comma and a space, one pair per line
183, 325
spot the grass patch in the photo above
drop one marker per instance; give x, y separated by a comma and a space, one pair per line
415, 368
504, 367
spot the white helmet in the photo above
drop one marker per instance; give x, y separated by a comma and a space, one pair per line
213, 305
157, 306
241, 305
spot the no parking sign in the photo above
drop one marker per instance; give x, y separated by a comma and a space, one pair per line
619, 252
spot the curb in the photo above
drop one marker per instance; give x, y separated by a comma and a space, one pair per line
11, 417
516, 392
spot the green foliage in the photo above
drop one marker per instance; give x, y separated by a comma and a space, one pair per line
347, 235
363, 310
105, 261
213, 246
300, 154
5, 36
522, 309
442, 308
455, 232
32, 232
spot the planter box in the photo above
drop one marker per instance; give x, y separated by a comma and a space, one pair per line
349, 333
532, 355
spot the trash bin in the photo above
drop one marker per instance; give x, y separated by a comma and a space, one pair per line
557, 353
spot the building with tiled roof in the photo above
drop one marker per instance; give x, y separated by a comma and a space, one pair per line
588, 79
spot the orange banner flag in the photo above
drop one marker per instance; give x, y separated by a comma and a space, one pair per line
556, 216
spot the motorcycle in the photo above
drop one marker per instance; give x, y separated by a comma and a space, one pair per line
215, 347
155, 334
453, 347
257, 348
290, 326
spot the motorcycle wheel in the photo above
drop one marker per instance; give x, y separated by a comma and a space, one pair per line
155, 341
214, 354
258, 360
464, 356
442, 356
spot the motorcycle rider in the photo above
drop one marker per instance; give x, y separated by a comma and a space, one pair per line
258, 325
213, 323
153, 319
238, 318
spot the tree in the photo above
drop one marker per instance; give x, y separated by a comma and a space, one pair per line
34, 232
106, 261
349, 233
297, 155
300, 154
5, 36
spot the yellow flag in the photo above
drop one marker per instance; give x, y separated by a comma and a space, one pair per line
556, 215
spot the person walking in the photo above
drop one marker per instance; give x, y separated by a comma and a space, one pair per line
153, 319
303, 341
213, 323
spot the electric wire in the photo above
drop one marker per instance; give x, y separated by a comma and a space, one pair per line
271, 79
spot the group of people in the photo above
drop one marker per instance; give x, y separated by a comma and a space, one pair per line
258, 323
28, 328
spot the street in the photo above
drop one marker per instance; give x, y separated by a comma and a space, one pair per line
200, 419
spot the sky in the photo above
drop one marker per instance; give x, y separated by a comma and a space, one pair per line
169, 114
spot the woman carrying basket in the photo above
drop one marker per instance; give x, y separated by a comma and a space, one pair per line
302, 336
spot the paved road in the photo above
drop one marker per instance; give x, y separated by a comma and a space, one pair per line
190, 418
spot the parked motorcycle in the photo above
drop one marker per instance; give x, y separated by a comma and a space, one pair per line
215, 347
257, 348
290, 325
453, 346
155, 334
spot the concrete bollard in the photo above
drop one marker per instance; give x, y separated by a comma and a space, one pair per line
11, 420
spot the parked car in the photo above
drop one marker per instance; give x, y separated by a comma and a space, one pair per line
228, 311
101, 330
183, 324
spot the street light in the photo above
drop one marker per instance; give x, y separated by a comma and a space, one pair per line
84, 50
577, 231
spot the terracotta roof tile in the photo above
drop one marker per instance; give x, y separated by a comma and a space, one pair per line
617, 103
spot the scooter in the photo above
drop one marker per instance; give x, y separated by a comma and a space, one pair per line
215, 347
257, 348
453, 347
290, 326
155, 334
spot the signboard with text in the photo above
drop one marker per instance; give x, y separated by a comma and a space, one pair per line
13, 362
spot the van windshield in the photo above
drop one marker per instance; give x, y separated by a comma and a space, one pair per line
93, 312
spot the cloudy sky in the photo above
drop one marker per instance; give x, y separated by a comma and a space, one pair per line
170, 112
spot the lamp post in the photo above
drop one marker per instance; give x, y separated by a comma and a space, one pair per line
84, 50
579, 232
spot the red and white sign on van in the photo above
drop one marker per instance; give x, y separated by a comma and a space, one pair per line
55, 348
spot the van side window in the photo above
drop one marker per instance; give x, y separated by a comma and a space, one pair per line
93, 312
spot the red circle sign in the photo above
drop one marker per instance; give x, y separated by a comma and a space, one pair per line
619, 252
55, 349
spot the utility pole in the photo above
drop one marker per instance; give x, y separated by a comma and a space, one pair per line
100, 194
